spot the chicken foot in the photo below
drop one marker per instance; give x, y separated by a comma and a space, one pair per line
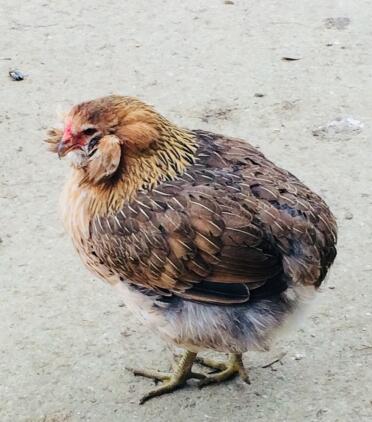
171, 380
225, 370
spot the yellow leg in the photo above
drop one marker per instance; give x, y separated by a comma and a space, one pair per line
226, 370
171, 381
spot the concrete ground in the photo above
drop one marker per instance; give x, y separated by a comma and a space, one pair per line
65, 339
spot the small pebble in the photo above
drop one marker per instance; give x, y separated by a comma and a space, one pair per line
259, 95
16, 75
349, 215
298, 356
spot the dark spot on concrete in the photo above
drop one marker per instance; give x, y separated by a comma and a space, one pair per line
339, 23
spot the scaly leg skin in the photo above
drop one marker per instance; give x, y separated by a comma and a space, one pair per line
171, 381
226, 370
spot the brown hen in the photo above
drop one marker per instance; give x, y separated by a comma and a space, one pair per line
207, 241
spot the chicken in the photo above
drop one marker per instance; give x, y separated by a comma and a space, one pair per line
207, 241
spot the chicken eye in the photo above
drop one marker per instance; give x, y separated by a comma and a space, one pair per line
89, 131
93, 143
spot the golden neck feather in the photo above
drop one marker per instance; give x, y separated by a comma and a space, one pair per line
166, 159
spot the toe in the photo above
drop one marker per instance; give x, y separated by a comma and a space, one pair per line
211, 363
217, 378
150, 373
166, 388
244, 375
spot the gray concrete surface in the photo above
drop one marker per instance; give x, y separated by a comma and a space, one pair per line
64, 338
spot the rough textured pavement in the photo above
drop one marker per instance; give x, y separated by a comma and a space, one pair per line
64, 338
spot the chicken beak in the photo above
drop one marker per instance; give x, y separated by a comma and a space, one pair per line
64, 147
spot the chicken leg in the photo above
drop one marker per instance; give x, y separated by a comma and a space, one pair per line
171, 380
225, 370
